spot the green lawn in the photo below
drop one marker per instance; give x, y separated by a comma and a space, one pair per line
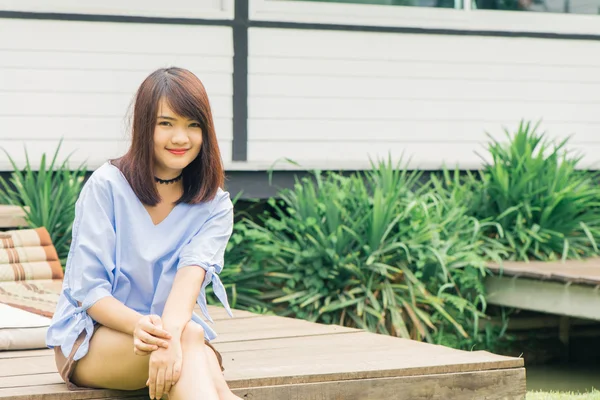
595, 395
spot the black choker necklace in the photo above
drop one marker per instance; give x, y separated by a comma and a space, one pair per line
167, 181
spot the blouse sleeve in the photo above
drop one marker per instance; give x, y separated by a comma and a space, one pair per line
90, 264
207, 250
91, 257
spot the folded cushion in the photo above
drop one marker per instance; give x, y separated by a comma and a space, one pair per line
21, 330
31, 271
15, 255
25, 238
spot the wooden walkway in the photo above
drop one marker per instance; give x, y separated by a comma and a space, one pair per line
276, 358
570, 288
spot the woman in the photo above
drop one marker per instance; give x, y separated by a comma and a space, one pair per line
149, 235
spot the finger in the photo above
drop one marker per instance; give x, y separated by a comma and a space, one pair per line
156, 331
148, 339
160, 383
168, 378
152, 381
156, 321
140, 353
144, 347
177, 371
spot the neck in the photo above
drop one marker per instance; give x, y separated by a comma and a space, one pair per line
168, 181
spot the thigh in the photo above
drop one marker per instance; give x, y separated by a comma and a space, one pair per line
110, 363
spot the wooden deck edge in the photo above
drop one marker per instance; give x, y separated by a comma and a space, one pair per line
376, 374
505, 384
584, 272
551, 297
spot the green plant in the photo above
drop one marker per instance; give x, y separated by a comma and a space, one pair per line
593, 395
546, 207
47, 196
371, 251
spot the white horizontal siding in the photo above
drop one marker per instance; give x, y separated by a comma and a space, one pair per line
91, 152
340, 98
415, 155
77, 81
148, 8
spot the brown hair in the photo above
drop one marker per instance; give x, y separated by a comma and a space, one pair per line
186, 96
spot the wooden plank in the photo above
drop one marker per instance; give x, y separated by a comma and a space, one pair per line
218, 313
270, 327
575, 271
489, 385
580, 301
321, 358
51, 378
495, 384
350, 356
60, 392
27, 366
25, 353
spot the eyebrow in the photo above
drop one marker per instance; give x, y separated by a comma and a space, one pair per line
173, 119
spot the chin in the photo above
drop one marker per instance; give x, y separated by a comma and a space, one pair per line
178, 164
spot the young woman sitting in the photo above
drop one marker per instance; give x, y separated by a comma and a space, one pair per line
149, 235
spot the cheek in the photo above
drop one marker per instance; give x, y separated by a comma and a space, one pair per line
197, 141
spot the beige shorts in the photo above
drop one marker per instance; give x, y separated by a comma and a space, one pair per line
66, 366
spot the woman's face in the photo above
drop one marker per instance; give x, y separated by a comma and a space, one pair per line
177, 142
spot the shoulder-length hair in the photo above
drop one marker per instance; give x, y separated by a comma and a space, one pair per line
186, 96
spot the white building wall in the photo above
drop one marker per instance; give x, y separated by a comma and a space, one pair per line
323, 98
333, 99
206, 9
77, 80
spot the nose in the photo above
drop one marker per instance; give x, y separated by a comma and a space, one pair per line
180, 137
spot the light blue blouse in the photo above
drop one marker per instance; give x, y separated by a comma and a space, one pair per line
118, 251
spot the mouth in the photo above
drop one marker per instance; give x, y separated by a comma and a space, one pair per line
177, 152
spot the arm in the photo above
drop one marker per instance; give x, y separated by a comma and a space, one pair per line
200, 262
89, 276
180, 304
92, 259
111, 313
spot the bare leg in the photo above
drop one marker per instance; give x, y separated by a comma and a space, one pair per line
110, 363
217, 376
196, 381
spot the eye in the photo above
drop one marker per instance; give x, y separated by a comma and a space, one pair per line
195, 125
164, 123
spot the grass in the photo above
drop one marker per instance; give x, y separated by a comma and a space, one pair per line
595, 395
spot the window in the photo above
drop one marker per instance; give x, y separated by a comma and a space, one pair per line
413, 3
552, 6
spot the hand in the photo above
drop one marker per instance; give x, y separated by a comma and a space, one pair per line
148, 335
165, 369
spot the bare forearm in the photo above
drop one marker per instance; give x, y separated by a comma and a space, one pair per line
180, 303
113, 314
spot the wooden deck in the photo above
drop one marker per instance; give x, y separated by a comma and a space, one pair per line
268, 358
570, 288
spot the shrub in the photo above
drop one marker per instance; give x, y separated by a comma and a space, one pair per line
50, 195
546, 207
371, 251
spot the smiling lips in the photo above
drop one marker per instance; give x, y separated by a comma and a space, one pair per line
177, 152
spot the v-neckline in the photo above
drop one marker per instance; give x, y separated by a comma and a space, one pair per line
150, 216
143, 209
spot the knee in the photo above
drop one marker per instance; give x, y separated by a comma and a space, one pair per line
192, 333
